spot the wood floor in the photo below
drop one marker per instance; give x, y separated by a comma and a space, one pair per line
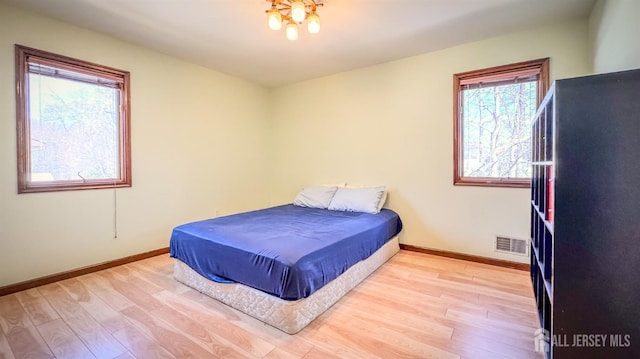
415, 306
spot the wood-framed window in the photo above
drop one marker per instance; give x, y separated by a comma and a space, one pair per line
493, 111
73, 123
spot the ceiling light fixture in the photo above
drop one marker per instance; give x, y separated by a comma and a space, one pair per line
294, 12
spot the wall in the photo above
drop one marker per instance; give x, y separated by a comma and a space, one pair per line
204, 142
393, 124
614, 28
199, 144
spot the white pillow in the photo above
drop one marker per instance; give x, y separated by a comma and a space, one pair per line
315, 196
383, 200
365, 199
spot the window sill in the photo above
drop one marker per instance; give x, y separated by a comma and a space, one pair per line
492, 182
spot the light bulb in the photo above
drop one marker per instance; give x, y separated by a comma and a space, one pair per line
313, 23
275, 19
292, 31
298, 12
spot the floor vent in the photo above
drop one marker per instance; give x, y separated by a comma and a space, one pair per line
512, 245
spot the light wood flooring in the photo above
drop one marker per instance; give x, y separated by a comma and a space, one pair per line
415, 306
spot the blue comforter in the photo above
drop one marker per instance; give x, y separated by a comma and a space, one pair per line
287, 251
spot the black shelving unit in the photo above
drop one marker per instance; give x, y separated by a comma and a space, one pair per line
585, 216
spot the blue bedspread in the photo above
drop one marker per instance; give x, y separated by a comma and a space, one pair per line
287, 251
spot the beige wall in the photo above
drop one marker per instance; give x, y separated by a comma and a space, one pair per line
393, 124
198, 144
614, 28
206, 142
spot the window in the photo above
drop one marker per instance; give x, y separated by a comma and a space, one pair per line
493, 111
72, 123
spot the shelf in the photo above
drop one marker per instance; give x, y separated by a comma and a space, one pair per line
535, 251
547, 224
590, 208
541, 264
541, 229
548, 290
547, 285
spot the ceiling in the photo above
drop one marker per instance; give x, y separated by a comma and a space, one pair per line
231, 36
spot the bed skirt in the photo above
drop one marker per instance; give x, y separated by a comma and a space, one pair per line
288, 316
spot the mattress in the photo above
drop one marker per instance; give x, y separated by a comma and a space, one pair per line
286, 315
286, 251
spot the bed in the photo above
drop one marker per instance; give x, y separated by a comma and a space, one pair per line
283, 265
